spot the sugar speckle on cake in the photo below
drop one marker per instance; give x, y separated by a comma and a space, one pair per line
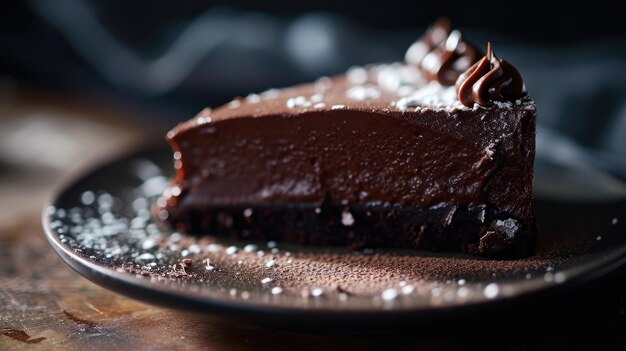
270, 94
407, 289
347, 219
489, 150
364, 92
253, 98
234, 103
503, 104
399, 78
389, 294
247, 213
491, 290
208, 266
145, 256
431, 95
214, 247
509, 226
250, 248
317, 292
316, 98
87, 198
298, 101
357, 75
203, 120
149, 243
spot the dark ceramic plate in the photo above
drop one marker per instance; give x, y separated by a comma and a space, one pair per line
101, 226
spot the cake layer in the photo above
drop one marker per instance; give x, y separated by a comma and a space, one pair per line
346, 156
443, 228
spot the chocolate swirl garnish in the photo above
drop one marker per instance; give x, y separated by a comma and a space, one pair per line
490, 80
442, 54
435, 35
446, 62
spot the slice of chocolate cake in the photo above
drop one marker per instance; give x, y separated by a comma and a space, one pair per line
383, 156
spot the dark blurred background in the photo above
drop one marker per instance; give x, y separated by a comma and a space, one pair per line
136, 68
174, 57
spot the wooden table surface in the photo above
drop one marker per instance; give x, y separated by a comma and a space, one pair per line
45, 305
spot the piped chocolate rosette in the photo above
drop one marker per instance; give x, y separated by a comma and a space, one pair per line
435, 35
490, 80
442, 54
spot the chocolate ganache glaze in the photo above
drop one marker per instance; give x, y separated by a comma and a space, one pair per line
442, 55
377, 157
490, 80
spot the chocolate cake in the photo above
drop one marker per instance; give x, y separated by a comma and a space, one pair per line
434, 153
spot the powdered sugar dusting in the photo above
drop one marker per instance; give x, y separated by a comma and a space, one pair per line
431, 95
364, 92
399, 78
357, 75
298, 101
